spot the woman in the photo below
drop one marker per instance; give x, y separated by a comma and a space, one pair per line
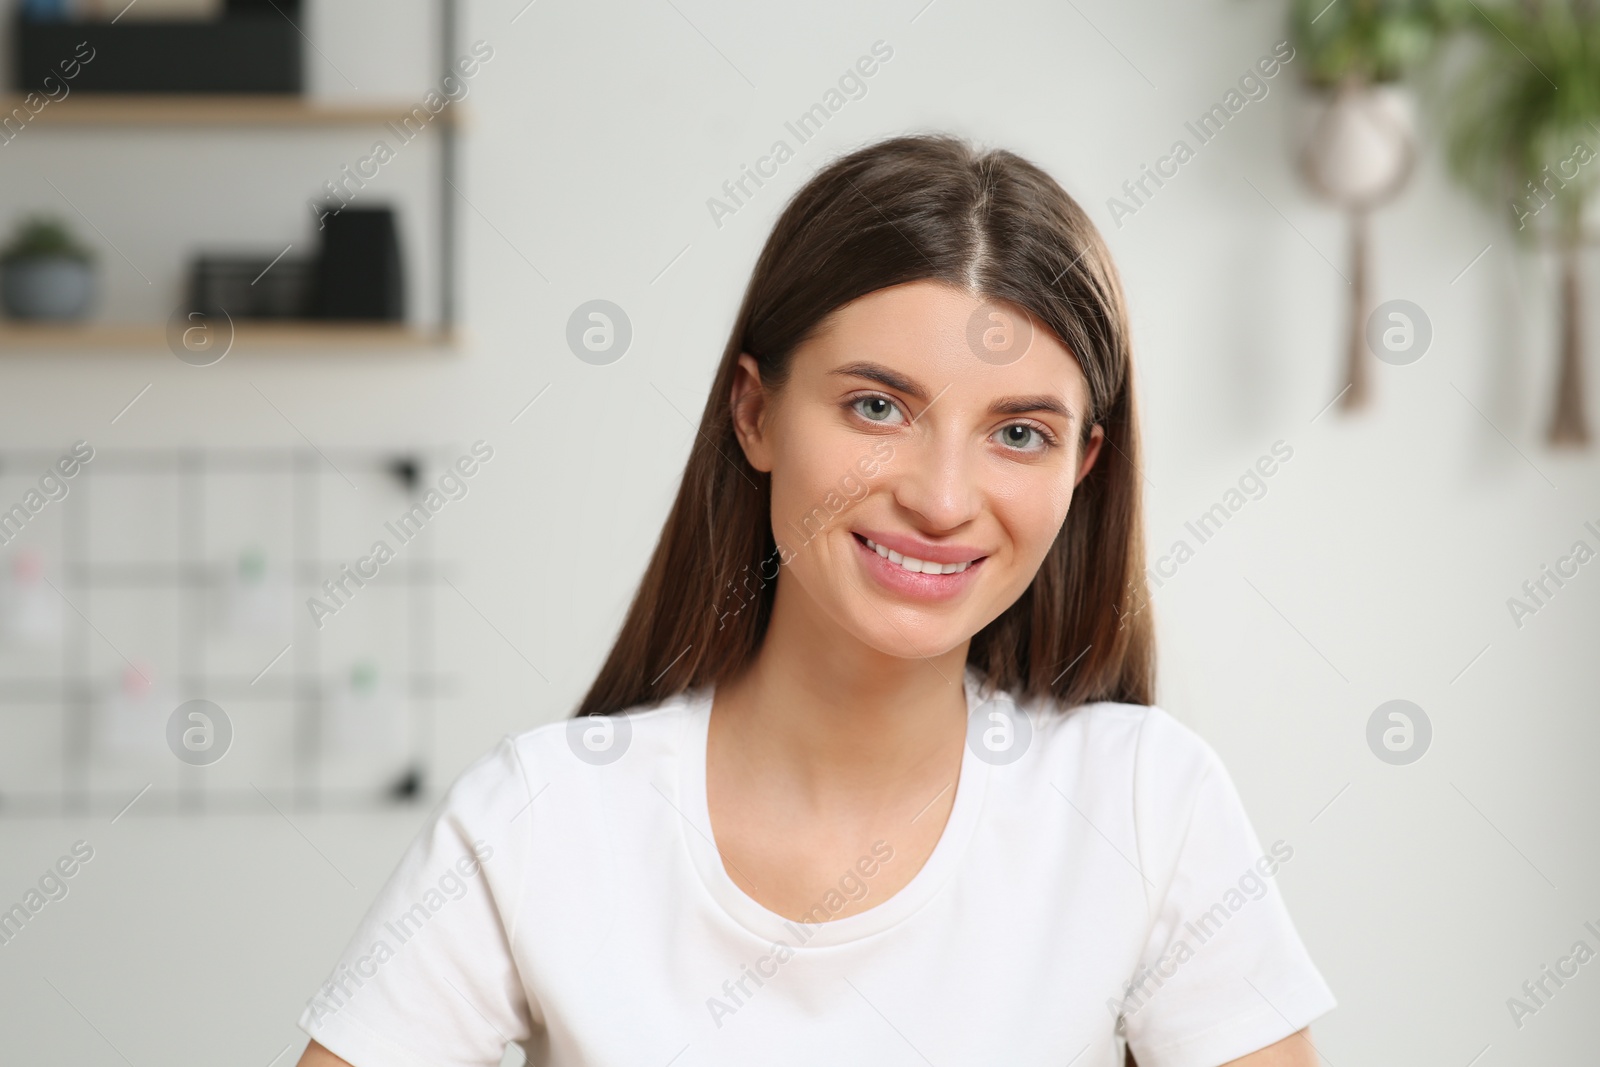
872, 773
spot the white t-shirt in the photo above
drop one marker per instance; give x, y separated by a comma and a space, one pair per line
566, 895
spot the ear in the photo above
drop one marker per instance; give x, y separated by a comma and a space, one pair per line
1091, 451
750, 403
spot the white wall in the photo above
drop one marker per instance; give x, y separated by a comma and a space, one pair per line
1377, 566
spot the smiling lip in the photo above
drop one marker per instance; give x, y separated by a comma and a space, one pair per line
922, 585
917, 548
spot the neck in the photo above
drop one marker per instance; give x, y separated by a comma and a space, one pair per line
841, 721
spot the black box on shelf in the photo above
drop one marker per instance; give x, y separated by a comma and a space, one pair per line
246, 51
358, 273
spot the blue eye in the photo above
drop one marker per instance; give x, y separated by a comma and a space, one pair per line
1020, 437
1007, 434
880, 410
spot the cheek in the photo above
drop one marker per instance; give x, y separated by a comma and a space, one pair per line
797, 485
1032, 507
811, 474
1031, 501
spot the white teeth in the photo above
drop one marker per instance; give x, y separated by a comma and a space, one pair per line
916, 566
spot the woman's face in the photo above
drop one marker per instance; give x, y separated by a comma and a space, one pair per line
903, 426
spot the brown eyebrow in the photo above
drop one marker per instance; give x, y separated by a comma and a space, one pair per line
1010, 405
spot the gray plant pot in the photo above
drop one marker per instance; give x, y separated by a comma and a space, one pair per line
52, 287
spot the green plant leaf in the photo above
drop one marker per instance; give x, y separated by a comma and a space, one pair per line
41, 237
1524, 128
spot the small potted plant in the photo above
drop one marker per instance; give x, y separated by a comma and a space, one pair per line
1359, 145
1533, 151
45, 273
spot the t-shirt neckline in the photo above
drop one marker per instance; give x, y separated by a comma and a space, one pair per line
971, 787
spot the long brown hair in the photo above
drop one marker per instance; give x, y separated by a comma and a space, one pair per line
901, 210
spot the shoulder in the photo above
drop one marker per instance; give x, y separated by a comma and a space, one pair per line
519, 766
631, 739
1161, 785
1143, 742
1138, 773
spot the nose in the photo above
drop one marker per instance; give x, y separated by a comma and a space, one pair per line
938, 481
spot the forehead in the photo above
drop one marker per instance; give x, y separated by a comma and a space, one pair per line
931, 331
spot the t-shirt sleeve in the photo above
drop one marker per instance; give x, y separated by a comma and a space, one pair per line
1222, 972
429, 980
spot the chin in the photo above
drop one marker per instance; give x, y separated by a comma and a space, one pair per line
893, 635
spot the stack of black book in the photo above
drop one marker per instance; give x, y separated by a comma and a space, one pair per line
253, 47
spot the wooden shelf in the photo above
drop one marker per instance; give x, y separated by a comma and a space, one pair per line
210, 109
18, 336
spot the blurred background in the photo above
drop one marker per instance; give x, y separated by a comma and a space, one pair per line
283, 282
